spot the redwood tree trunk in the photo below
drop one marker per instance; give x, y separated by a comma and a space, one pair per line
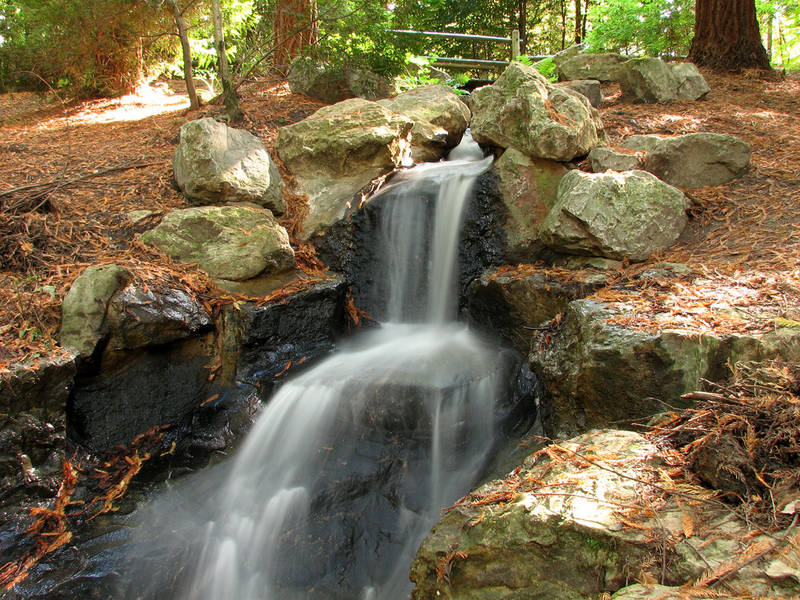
726, 35
294, 29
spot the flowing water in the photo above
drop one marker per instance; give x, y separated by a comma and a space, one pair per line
350, 463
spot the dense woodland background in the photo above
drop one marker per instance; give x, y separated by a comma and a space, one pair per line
109, 47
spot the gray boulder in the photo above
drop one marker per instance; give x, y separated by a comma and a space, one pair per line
83, 311
215, 163
691, 84
523, 110
611, 159
695, 159
590, 88
332, 84
227, 242
601, 67
615, 215
337, 151
440, 119
529, 187
597, 371
647, 80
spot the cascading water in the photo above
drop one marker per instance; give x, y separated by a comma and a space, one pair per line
350, 463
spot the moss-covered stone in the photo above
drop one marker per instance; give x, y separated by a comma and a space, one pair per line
83, 311
524, 111
227, 242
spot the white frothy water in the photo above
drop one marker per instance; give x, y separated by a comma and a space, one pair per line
429, 384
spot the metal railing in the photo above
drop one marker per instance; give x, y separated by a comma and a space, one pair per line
468, 62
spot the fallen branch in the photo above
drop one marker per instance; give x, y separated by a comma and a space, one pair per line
60, 183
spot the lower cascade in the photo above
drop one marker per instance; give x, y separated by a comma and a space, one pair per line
351, 462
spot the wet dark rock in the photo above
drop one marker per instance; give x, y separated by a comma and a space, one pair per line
141, 316
138, 390
512, 304
261, 340
32, 402
351, 247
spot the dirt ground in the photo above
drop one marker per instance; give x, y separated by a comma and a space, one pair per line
73, 172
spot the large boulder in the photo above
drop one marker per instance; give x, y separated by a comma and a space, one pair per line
525, 111
598, 370
83, 311
627, 215
337, 151
227, 242
590, 88
512, 303
691, 84
693, 160
333, 84
215, 163
578, 521
647, 80
440, 119
529, 188
601, 67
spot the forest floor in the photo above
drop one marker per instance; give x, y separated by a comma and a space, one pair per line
73, 172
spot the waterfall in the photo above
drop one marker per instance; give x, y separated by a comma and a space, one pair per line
351, 462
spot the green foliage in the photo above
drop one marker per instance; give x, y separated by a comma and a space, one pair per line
98, 48
654, 28
780, 30
547, 67
355, 33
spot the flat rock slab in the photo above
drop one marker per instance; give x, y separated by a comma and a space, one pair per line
600, 67
215, 163
627, 215
227, 242
693, 160
597, 371
559, 526
524, 111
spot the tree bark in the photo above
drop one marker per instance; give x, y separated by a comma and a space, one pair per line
230, 98
522, 25
294, 28
578, 22
726, 35
180, 23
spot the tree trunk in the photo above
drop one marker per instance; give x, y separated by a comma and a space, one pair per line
578, 22
232, 107
294, 28
726, 35
563, 25
522, 25
180, 23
